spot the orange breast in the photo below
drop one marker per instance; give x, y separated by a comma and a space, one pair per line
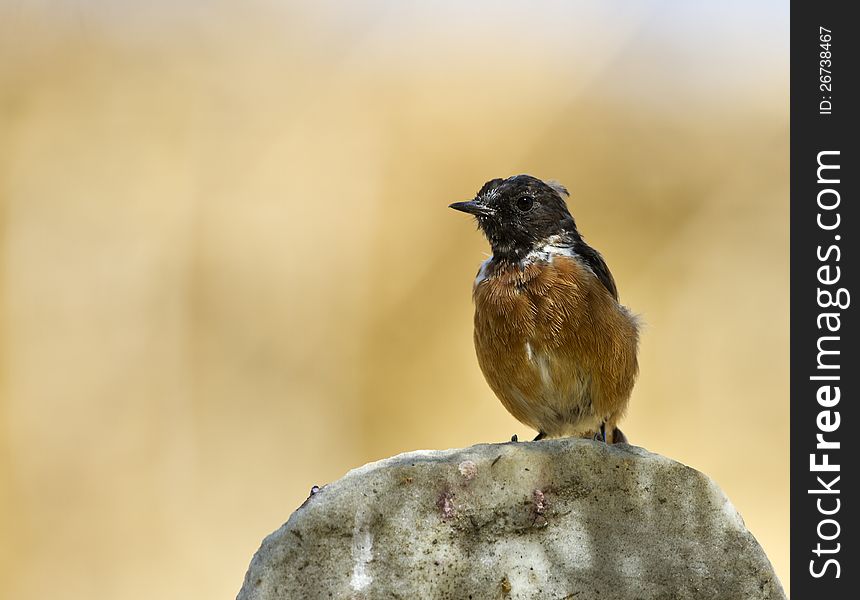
554, 345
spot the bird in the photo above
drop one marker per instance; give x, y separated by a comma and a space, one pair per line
551, 337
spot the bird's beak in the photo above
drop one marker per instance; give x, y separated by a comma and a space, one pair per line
473, 207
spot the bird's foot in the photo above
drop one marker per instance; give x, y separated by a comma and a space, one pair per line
539, 436
615, 436
514, 438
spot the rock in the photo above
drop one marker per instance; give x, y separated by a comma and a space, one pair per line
571, 519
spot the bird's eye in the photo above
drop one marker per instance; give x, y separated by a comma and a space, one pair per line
524, 204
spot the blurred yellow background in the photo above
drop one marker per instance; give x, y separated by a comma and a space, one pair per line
228, 271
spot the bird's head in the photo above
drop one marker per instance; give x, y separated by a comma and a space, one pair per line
519, 214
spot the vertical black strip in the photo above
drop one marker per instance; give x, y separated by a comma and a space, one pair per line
825, 367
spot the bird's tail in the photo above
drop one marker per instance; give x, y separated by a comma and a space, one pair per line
618, 437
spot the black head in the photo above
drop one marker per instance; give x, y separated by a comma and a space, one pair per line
519, 214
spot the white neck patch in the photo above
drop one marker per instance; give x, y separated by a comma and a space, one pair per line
544, 252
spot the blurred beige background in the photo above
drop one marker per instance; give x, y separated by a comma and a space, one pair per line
228, 271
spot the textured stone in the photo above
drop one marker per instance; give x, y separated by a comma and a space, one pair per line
571, 519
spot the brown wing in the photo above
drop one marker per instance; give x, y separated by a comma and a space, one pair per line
595, 262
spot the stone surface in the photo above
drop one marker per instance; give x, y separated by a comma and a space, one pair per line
571, 519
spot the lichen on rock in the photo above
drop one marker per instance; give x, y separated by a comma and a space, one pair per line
566, 519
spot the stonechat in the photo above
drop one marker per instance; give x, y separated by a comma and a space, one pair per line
552, 340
